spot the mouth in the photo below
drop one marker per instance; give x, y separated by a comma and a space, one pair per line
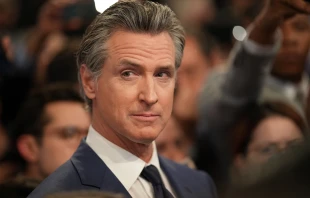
145, 117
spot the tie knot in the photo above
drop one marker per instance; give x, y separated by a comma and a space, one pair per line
151, 174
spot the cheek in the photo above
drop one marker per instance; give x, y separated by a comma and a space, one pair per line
55, 153
119, 97
166, 98
256, 158
304, 43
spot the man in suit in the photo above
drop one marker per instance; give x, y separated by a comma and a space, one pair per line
127, 69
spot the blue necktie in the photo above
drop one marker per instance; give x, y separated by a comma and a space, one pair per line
151, 174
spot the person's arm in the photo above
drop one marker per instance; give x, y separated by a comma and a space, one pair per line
222, 100
226, 94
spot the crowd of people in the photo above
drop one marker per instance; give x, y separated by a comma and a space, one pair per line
88, 99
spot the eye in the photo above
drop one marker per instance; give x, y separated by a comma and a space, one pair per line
127, 73
269, 150
300, 26
70, 132
164, 74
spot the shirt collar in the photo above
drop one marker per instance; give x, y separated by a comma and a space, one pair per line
124, 165
289, 89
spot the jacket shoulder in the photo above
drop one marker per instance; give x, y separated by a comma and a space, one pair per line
198, 181
65, 178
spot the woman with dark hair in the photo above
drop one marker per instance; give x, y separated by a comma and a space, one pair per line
265, 130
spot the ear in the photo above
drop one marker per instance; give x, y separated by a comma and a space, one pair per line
28, 148
88, 82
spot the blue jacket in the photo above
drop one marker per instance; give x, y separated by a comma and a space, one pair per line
86, 171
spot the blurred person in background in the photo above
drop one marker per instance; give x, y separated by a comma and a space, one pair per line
235, 13
288, 77
62, 69
60, 65
11, 102
199, 59
240, 8
46, 132
264, 130
5, 170
54, 44
173, 144
3, 139
227, 93
284, 175
194, 13
56, 21
6, 57
9, 14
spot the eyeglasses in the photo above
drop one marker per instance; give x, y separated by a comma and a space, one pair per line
69, 134
274, 148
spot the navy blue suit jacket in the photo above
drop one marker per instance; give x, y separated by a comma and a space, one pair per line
86, 171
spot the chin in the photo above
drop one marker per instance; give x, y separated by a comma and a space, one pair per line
145, 136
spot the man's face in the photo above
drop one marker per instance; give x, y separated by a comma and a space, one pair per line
61, 136
191, 76
271, 136
291, 59
133, 97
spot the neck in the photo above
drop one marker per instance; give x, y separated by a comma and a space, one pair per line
32, 171
143, 151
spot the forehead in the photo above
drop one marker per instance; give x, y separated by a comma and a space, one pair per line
65, 113
274, 127
141, 46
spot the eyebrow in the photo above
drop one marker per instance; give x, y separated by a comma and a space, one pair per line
129, 63
126, 62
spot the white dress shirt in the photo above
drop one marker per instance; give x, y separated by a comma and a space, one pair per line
126, 166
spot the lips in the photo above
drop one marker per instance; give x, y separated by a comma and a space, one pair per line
146, 117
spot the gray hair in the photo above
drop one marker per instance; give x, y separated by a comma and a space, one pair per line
134, 16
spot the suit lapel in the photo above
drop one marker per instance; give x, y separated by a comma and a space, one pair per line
93, 171
176, 179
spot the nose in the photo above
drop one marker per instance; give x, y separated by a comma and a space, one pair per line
289, 37
148, 93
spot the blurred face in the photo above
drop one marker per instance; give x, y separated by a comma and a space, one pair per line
191, 76
271, 136
291, 59
171, 143
68, 125
133, 98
